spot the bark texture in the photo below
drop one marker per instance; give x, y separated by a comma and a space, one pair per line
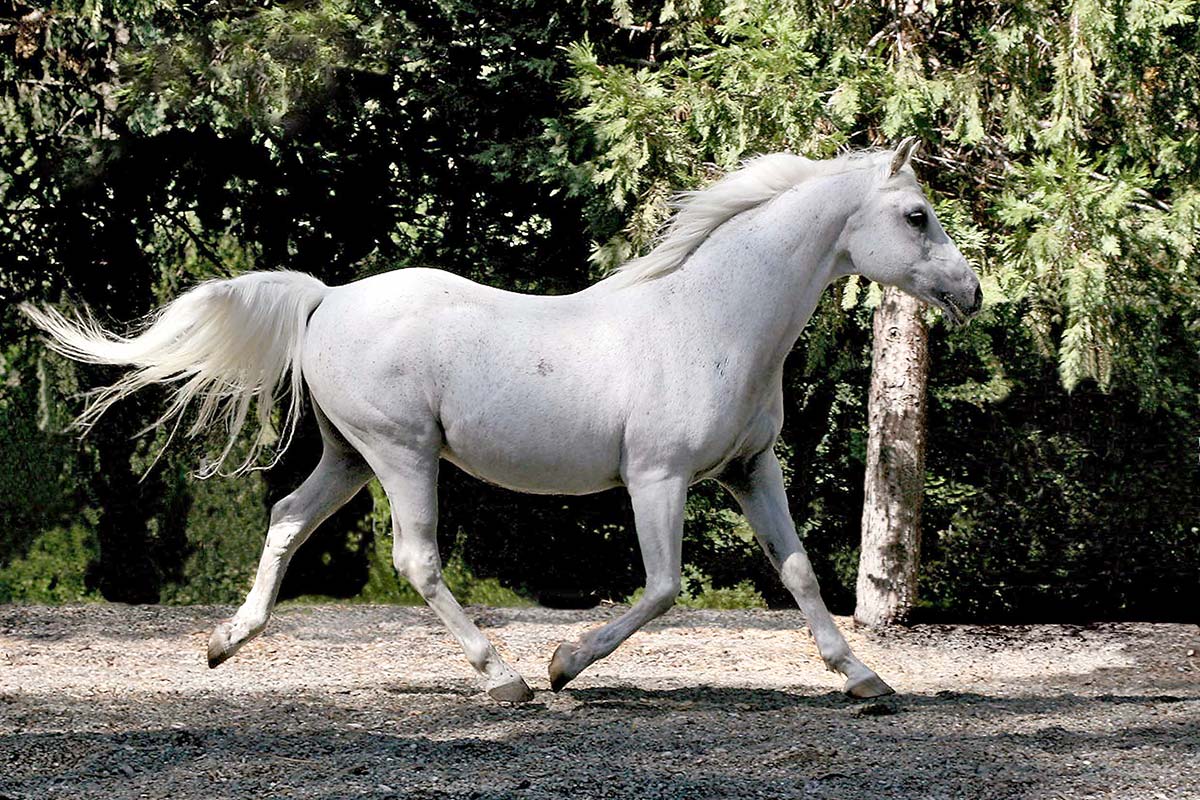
894, 486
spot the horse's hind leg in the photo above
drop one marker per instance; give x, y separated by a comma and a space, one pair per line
337, 478
410, 480
658, 515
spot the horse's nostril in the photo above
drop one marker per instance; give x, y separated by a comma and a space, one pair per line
978, 299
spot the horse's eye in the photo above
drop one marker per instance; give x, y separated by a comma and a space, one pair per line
917, 219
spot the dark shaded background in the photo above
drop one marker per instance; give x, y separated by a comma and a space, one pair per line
164, 143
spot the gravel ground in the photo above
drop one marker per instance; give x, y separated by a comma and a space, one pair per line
117, 702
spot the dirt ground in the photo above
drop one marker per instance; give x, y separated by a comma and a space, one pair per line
117, 702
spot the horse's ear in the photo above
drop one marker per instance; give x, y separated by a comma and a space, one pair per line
904, 152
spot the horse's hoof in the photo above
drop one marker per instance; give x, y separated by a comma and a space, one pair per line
513, 691
865, 688
219, 647
560, 674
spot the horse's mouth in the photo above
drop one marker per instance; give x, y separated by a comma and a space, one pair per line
945, 301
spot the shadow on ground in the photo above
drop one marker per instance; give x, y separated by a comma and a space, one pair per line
597, 742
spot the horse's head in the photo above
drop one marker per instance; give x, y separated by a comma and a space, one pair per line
895, 239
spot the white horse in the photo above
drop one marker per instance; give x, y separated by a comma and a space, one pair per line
665, 373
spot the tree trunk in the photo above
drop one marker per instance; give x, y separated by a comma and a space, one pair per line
891, 521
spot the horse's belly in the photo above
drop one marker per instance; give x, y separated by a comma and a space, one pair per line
518, 466
540, 443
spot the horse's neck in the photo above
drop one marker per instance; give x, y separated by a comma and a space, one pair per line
758, 278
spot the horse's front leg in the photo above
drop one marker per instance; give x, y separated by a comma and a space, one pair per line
658, 515
760, 491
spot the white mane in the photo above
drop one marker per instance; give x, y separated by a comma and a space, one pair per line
702, 211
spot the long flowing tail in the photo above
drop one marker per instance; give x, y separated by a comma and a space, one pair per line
227, 344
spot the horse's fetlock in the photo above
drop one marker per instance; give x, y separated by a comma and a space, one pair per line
839, 658
479, 656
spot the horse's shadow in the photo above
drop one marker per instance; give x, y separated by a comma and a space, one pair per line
705, 698
737, 699
637, 699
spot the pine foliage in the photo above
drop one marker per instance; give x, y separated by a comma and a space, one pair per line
1066, 133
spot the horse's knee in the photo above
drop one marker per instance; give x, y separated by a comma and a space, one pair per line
426, 582
661, 595
423, 570
799, 579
